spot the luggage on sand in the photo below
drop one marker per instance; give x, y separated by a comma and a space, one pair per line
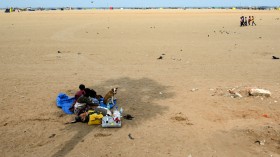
108, 122
113, 121
94, 118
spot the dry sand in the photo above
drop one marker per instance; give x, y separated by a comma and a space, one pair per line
105, 49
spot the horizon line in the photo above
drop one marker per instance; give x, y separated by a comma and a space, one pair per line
145, 7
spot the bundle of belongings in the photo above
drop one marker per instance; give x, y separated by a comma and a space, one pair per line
91, 108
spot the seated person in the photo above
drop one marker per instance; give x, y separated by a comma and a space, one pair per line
84, 102
80, 92
77, 95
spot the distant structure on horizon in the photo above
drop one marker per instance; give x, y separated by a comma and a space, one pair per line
12, 9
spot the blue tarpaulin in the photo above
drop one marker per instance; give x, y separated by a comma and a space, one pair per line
64, 102
101, 103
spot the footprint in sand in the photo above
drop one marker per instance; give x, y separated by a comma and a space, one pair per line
179, 117
101, 135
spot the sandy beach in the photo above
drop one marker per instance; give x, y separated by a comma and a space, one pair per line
181, 103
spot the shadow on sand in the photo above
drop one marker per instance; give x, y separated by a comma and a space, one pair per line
137, 97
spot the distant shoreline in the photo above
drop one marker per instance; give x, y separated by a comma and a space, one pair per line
146, 8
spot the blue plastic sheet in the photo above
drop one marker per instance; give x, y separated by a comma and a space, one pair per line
64, 102
101, 103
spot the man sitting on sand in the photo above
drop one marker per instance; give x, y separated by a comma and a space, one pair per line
80, 92
78, 95
84, 102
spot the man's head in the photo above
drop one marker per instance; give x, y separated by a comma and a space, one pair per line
82, 87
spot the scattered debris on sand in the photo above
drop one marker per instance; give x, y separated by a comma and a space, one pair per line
130, 137
260, 142
265, 115
274, 57
53, 135
160, 57
179, 117
194, 89
240, 92
128, 117
234, 94
259, 92
101, 135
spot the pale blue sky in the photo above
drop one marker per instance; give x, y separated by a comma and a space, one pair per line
136, 3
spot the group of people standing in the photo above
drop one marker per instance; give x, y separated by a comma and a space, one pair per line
245, 22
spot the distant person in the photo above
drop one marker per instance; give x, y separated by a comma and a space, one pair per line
245, 21
249, 20
241, 21
253, 21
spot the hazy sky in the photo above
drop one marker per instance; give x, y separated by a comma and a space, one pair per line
135, 3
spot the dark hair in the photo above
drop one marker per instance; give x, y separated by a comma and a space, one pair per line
82, 87
90, 92
87, 92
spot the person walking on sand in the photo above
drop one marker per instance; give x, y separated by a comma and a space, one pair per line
249, 20
253, 21
241, 21
245, 21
